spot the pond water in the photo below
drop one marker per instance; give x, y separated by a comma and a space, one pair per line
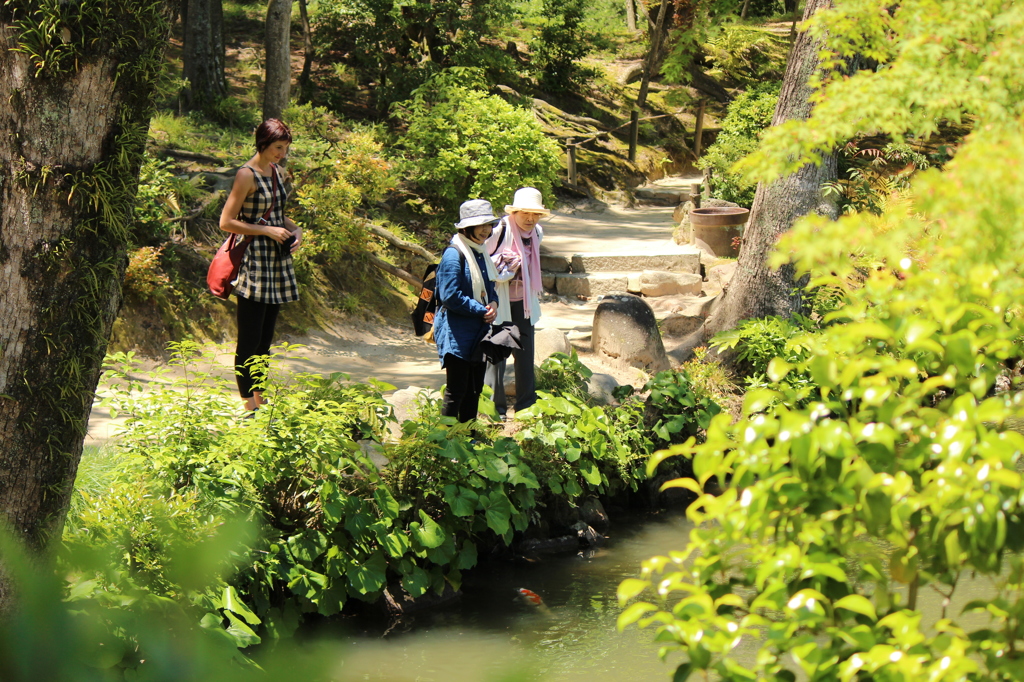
491, 634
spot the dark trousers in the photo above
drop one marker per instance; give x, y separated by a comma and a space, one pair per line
526, 383
465, 382
255, 333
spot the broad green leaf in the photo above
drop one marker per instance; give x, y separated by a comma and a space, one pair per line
429, 534
463, 501
368, 576
858, 604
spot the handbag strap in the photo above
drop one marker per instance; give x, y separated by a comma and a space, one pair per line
273, 193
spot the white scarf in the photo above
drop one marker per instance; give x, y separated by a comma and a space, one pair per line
466, 247
512, 238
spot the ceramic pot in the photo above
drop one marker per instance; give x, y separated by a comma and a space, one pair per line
720, 228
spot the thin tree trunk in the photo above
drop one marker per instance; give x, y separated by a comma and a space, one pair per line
756, 290
307, 53
71, 143
653, 60
277, 90
746, 7
202, 55
631, 15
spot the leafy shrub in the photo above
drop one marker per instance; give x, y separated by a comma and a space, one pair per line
340, 173
461, 143
332, 526
158, 200
747, 115
760, 340
576, 447
674, 412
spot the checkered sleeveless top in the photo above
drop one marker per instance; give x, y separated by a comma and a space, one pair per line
267, 274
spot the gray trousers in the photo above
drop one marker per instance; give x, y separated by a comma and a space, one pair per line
526, 383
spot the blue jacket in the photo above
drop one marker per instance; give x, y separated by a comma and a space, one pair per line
459, 324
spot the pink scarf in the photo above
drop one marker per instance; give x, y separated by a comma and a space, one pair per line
513, 240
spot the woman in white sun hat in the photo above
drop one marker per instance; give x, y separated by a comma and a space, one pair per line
515, 250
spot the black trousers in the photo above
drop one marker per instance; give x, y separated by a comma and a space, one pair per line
255, 333
526, 381
465, 383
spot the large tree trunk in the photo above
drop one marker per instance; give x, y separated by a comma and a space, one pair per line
71, 143
756, 290
279, 63
202, 54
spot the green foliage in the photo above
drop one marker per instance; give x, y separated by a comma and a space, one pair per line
564, 376
562, 43
577, 448
341, 513
747, 116
675, 412
339, 174
157, 201
748, 55
893, 473
462, 143
758, 341
871, 176
401, 45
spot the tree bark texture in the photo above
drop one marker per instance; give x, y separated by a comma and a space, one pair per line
277, 88
756, 290
630, 15
202, 54
72, 134
307, 54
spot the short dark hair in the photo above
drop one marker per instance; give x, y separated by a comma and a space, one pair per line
271, 131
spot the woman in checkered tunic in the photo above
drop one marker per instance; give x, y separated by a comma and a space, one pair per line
266, 278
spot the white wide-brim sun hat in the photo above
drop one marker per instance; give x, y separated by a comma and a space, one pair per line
529, 200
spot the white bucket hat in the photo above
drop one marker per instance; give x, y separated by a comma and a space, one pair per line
475, 212
529, 200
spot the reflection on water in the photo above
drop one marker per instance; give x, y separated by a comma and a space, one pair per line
492, 634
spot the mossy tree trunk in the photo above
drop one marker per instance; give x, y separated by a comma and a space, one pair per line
72, 134
756, 290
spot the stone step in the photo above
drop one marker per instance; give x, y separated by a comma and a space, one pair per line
681, 260
646, 282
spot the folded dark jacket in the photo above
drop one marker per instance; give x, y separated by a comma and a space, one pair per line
499, 342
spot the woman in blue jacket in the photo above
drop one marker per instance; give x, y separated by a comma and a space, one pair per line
468, 304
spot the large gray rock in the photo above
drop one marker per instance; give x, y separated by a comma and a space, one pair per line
547, 342
625, 328
600, 388
661, 283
